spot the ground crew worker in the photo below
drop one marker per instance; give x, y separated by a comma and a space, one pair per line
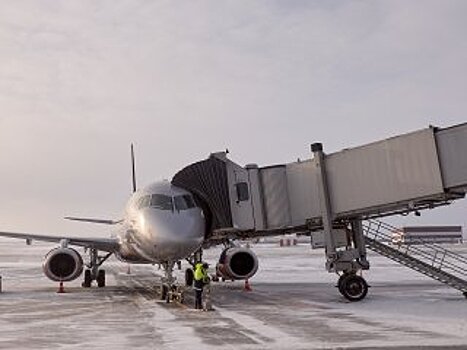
201, 278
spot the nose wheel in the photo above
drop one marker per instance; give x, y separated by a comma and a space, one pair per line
352, 286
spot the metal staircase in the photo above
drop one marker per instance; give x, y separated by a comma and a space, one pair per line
428, 258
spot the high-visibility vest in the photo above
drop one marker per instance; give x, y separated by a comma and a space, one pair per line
200, 273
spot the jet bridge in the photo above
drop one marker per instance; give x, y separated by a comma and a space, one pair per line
330, 194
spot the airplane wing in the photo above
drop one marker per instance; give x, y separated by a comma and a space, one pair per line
94, 221
104, 244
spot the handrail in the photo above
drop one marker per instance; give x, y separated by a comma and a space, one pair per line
436, 256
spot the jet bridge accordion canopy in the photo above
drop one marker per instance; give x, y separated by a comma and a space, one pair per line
413, 171
207, 180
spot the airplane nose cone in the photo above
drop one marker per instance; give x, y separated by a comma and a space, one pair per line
173, 235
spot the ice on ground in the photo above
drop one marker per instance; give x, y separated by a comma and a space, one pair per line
294, 304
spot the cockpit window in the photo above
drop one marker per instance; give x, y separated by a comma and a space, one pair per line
161, 201
184, 202
143, 202
190, 201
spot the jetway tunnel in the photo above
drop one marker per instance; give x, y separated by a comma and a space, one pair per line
409, 172
330, 194
207, 180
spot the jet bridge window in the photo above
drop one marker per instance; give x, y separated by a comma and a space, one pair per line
184, 202
242, 191
161, 201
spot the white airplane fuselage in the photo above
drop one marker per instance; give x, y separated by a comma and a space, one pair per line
162, 223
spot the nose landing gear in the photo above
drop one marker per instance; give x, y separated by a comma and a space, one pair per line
169, 291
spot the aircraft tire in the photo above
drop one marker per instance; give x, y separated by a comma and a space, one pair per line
189, 277
164, 292
339, 281
87, 279
353, 287
101, 278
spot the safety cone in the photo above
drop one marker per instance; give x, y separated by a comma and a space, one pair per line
247, 286
60, 288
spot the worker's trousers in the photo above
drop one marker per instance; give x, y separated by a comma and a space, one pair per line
198, 294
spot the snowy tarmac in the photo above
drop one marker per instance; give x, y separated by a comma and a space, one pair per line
294, 305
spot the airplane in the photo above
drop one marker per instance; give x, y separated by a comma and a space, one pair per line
162, 224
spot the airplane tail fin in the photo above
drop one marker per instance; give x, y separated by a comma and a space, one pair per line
133, 172
105, 221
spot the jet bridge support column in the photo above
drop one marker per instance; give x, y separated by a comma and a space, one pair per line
325, 203
359, 243
351, 258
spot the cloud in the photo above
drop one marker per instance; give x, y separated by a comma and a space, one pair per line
80, 80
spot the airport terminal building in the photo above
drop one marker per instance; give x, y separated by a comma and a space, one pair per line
431, 234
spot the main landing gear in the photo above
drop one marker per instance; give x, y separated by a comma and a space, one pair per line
189, 277
352, 286
93, 273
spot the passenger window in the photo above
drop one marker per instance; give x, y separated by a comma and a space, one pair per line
161, 201
242, 191
143, 202
184, 202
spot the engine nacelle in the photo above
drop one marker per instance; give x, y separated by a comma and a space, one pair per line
63, 264
237, 263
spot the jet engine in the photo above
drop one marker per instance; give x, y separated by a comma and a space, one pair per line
63, 264
237, 263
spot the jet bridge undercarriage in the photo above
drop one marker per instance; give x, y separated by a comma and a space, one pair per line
328, 196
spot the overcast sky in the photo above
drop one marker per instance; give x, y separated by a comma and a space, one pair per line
80, 80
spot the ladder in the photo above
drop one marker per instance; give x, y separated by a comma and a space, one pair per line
425, 257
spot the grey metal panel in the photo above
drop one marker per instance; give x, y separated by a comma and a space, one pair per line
275, 196
302, 186
399, 169
317, 239
242, 211
256, 197
452, 147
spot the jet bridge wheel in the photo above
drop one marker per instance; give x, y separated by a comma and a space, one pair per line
352, 287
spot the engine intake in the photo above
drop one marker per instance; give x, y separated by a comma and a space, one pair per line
237, 263
63, 264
